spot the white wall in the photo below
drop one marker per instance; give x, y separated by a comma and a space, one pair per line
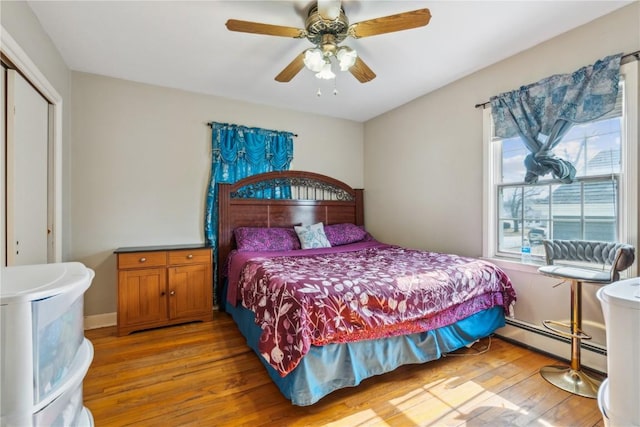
423, 160
140, 166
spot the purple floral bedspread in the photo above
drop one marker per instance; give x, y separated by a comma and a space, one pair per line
379, 291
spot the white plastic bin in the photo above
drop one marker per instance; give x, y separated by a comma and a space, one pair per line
619, 398
67, 408
43, 350
57, 334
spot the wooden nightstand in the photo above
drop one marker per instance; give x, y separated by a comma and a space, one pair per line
164, 285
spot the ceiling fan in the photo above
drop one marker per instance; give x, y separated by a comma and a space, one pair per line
326, 27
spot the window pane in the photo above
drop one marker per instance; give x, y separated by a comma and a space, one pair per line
536, 203
513, 154
600, 210
581, 210
517, 223
600, 200
566, 200
593, 148
567, 229
510, 203
510, 211
603, 231
566, 211
536, 232
536, 216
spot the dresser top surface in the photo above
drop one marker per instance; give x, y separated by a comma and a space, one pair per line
130, 249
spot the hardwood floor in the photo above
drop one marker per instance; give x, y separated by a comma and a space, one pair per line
203, 374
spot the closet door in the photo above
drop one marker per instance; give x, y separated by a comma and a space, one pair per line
27, 172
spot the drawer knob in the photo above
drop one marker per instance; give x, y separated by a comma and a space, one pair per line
143, 259
190, 256
172, 293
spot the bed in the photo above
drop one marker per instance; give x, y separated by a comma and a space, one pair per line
323, 304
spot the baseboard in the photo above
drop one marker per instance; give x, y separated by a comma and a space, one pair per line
591, 356
100, 320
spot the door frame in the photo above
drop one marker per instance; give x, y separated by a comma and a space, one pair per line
32, 73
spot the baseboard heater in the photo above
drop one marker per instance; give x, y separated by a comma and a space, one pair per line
548, 334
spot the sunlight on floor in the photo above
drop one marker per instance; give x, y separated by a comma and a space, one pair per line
544, 423
450, 401
363, 418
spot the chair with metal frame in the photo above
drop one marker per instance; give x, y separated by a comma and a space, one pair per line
589, 262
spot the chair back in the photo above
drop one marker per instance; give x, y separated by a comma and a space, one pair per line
614, 256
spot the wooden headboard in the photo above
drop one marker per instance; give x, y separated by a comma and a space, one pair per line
314, 198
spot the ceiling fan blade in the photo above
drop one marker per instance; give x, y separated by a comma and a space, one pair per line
361, 71
268, 29
292, 69
391, 23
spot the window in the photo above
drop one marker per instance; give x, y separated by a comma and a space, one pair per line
599, 205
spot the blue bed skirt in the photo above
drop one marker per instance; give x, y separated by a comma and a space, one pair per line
334, 366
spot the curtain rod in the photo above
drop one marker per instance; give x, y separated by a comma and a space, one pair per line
635, 54
210, 124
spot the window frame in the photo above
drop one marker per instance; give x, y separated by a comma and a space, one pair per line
628, 178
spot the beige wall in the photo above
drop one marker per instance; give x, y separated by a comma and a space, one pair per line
140, 165
423, 160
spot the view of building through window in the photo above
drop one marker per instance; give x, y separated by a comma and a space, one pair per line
586, 209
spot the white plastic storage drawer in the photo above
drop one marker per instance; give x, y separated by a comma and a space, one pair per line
65, 411
58, 333
66, 408
44, 355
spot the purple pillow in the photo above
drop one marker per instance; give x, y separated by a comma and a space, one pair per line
343, 234
266, 239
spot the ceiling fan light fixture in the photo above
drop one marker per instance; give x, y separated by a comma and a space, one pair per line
314, 59
329, 9
346, 57
326, 73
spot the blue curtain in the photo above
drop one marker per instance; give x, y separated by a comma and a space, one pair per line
238, 152
543, 112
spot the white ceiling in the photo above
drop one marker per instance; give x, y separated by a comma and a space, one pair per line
185, 45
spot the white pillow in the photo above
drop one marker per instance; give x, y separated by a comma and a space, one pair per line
312, 236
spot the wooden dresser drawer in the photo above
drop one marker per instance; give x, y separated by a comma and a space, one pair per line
190, 256
142, 259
